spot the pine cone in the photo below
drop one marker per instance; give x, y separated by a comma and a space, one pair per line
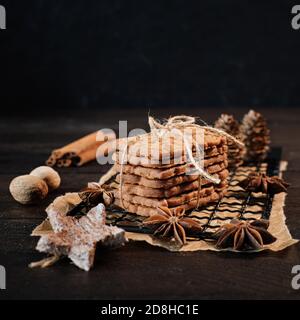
228, 124
255, 135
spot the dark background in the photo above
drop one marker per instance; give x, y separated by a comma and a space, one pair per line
151, 54
124, 58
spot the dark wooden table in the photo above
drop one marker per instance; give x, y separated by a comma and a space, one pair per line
136, 270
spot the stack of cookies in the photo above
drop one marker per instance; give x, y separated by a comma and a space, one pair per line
166, 176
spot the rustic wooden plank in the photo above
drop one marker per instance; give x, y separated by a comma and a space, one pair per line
194, 275
157, 273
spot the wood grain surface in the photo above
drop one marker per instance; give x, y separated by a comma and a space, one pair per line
136, 270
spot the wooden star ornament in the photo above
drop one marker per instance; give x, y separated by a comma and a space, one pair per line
78, 238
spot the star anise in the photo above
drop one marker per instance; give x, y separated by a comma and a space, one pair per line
91, 196
244, 235
95, 194
172, 223
260, 182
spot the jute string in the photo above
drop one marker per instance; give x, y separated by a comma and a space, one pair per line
178, 124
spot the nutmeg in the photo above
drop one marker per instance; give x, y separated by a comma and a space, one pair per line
28, 189
49, 175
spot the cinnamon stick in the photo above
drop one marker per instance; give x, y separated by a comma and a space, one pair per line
80, 151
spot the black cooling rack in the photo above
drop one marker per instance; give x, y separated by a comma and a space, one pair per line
235, 204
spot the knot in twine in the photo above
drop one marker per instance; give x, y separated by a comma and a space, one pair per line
178, 123
181, 122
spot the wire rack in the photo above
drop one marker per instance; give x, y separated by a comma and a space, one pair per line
236, 203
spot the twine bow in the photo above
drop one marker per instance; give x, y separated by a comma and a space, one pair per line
182, 122
178, 123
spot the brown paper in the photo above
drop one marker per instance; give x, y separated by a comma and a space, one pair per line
62, 204
277, 228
